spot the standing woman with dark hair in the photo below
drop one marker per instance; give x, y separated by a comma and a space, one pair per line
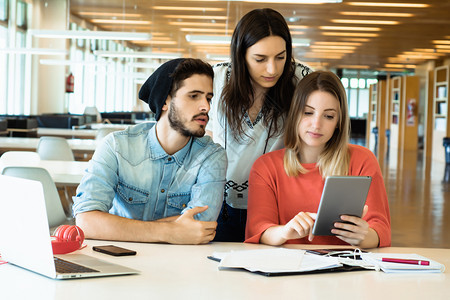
285, 186
252, 95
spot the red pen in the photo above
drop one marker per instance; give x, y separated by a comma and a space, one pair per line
406, 261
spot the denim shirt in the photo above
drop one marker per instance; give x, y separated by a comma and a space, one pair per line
130, 175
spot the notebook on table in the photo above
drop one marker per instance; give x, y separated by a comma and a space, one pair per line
25, 240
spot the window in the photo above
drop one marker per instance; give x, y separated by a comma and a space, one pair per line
3, 75
12, 82
21, 19
356, 85
105, 83
4, 10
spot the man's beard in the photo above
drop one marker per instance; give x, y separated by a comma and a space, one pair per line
178, 125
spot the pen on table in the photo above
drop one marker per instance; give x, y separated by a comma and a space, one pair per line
406, 261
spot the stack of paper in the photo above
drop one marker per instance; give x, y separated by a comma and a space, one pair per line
275, 261
376, 259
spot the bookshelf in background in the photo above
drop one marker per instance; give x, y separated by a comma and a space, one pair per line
403, 118
372, 117
376, 118
441, 126
394, 115
381, 120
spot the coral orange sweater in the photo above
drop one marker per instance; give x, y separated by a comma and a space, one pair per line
275, 198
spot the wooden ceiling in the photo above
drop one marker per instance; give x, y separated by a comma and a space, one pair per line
348, 35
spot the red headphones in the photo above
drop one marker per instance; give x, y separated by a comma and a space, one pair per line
67, 238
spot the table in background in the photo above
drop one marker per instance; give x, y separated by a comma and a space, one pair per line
64, 173
80, 147
185, 272
85, 132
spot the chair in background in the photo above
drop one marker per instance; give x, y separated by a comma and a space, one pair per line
54, 148
92, 110
55, 211
104, 131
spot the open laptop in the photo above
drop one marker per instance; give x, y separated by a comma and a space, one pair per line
24, 235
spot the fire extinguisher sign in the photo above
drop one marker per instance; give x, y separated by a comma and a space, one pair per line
70, 83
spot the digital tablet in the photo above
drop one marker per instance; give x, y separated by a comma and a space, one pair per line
342, 195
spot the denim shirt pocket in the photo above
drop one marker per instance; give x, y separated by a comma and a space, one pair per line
176, 202
132, 195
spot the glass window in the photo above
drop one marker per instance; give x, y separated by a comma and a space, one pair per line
17, 97
353, 103
361, 83
354, 83
3, 66
21, 15
3, 10
363, 103
345, 82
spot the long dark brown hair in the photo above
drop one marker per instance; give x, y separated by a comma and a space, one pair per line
238, 94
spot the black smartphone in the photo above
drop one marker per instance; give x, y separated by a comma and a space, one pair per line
114, 250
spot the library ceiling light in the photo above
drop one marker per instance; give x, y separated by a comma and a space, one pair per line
353, 67
350, 34
208, 39
213, 30
216, 57
386, 4
202, 24
375, 14
34, 51
400, 66
349, 28
139, 65
179, 8
292, 1
443, 42
297, 27
137, 54
366, 22
337, 43
127, 22
301, 42
195, 17
63, 62
109, 14
94, 35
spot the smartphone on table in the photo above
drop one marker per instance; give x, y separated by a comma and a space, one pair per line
113, 250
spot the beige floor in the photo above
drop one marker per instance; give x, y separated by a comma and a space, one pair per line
419, 199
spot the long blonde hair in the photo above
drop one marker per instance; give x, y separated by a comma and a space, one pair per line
335, 157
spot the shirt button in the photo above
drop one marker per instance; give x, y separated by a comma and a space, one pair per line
184, 205
130, 199
163, 190
169, 159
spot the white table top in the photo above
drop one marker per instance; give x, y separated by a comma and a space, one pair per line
78, 133
62, 172
30, 144
184, 272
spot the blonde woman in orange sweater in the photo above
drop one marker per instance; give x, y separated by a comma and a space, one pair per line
285, 186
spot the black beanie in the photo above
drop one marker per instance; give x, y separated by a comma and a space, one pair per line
157, 87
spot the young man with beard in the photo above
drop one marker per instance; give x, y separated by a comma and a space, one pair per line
163, 183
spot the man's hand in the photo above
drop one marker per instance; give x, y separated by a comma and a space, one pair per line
187, 230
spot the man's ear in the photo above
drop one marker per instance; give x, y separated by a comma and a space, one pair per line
166, 104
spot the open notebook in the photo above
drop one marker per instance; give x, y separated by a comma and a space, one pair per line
25, 240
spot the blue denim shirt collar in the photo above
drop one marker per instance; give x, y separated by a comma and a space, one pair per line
157, 151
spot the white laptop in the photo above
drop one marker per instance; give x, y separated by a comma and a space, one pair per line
24, 234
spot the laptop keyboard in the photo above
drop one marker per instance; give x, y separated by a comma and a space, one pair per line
64, 266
